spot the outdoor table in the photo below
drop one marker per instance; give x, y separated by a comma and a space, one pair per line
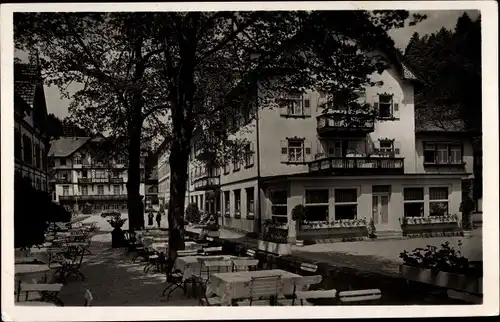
159, 247
190, 265
25, 271
235, 285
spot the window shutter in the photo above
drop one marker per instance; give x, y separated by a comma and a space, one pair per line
284, 150
307, 150
283, 107
307, 106
375, 99
397, 148
395, 106
252, 153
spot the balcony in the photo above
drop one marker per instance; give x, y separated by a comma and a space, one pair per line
342, 124
207, 183
357, 165
61, 180
85, 180
115, 180
92, 197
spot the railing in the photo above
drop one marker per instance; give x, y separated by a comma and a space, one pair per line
100, 180
84, 180
207, 183
92, 197
332, 121
116, 180
359, 164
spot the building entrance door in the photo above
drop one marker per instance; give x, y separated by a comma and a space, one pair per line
380, 206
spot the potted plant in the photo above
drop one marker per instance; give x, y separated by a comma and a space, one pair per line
371, 229
117, 235
273, 239
466, 208
298, 215
193, 214
443, 267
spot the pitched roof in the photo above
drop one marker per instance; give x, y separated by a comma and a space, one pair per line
25, 79
65, 146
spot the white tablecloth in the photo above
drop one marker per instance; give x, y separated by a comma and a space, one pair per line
190, 265
235, 285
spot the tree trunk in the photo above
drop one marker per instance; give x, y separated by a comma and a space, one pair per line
134, 200
179, 158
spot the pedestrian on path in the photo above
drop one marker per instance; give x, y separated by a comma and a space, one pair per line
150, 219
158, 218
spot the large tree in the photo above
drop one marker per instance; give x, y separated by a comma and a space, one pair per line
183, 73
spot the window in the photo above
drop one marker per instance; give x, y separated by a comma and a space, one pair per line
100, 174
17, 144
237, 202
65, 190
226, 167
250, 201
38, 185
317, 204
84, 174
249, 155
295, 105
295, 150
227, 203
43, 160
279, 207
28, 150
85, 190
37, 155
438, 201
385, 106
414, 202
346, 204
116, 189
335, 149
78, 159
386, 146
63, 161
442, 153
100, 190
236, 162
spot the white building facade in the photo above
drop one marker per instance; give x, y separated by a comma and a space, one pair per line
381, 171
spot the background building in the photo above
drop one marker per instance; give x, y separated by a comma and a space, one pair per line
30, 115
86, 178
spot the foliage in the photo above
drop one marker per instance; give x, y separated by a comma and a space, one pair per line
405, 221
200, 75
56, 126
335, 223
193, 214
272, 233
298, 213
33, 211
466, 208
107, 214
371, 228
445, 259
450, 60
116, 221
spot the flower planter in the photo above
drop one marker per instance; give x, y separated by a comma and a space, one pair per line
275, 248
453, 281
117, 238
430, 227
332, 232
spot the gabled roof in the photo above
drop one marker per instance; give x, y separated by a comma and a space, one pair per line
65, 146
25, 81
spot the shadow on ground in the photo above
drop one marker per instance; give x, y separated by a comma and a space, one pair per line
115, 281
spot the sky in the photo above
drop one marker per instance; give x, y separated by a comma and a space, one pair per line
436, 19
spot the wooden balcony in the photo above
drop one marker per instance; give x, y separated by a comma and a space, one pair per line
342, 124
357, 165
207, 183
93, 197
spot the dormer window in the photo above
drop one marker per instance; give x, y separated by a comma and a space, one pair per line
63, 161
295, 105
385, 106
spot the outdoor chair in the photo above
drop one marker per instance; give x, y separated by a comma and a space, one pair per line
308, 267
89, 298
301, 282
207, 268
251, 252
72, 265
48, 292
359, 296
263, 291
244, 264
187, 252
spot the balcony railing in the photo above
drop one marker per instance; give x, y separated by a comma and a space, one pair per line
84, 180
92, 197
358, 165
115, 180
338, 123
99, 180
62, 180
207, 183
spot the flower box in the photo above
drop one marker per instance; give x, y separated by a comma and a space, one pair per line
453, 281
275, 248
316, 233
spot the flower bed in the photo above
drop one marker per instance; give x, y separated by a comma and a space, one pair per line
337, 229
444, 267
274, 239
426, 225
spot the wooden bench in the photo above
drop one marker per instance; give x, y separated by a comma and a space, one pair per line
48, 291
355, 297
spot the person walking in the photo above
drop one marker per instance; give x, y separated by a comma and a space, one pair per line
158, 218
150, 218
